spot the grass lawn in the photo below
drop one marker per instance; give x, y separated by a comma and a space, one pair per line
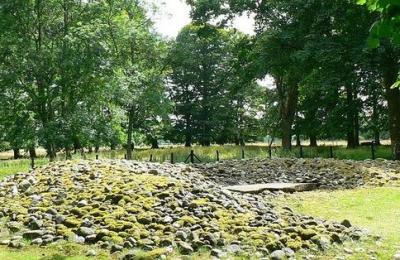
376, 209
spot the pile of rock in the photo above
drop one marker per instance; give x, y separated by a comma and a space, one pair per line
122, 204
328, 174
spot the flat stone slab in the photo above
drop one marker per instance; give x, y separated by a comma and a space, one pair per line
285, 187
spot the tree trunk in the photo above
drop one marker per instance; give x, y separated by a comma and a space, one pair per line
286, 128
393, 98
313, 141
390, 72
32, 152
129, 133
154, 143
298, 141
68, 155
16, 153
188, 132
96, 149
356, 129
377, 137
352, 119
288, 96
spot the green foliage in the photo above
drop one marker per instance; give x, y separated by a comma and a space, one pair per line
388, 25
216, 100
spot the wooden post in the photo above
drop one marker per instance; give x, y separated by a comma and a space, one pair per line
151, 157
192, 156
125, 156
331, 152
242, 152
373, 150
301, 151
172, 158
32, 162
97, 156
217, 156
270, 152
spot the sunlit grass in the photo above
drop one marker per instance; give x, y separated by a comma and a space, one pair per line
376, 209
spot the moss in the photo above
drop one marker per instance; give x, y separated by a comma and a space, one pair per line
113, 225
200, 202
117, 239
144, 233
307, 233
294, 244
65, 232
72, 222
187, 220
78, 212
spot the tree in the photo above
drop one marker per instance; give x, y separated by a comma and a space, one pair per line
386, 34
137, 84
198, 72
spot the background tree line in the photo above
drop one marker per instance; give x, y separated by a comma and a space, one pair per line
89, 74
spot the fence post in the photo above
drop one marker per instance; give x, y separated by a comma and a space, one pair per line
242, 152
151, 157
217, 156
301, 151
192, 156
269, 152
97, 156
32, 162
373, 150
172, 158
331, 151
125, 156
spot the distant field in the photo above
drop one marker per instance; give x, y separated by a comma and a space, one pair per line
205, 154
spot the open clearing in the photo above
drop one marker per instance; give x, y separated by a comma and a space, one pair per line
119, 207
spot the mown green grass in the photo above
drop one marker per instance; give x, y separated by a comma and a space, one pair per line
59, 251
376, 209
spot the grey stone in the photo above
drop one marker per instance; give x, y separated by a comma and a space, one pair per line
4, 242
167, 219
37, 241
116, 248
288, 252
77, 239
278, 255
346, 223
32, 234
36, 224
323, 243
286, 187
24, 185
218, 253
16, 244
233, 249
14, 226
185, 248
91, 252
85, 231
59, 219
82, 203
180, 234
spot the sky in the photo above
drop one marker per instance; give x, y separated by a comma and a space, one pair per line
173, 15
